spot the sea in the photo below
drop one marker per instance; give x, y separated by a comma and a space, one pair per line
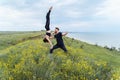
108, 39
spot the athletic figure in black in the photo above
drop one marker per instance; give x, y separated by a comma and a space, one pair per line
47, 27
60, 44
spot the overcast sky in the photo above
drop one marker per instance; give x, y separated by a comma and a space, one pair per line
69, 15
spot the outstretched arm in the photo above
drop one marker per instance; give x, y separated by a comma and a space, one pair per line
63, 34
52, 35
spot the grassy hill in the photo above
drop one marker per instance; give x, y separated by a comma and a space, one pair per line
24, 56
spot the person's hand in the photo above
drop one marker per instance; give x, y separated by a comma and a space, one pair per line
50, 8
52, 32
66, 32
63, 34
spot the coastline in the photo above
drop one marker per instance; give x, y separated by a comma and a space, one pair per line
95, 38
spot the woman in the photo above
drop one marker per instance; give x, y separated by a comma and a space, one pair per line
47, 27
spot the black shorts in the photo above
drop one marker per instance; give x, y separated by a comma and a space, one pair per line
49, 34
45, 40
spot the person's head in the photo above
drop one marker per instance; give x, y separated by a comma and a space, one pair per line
45, 40
57, 30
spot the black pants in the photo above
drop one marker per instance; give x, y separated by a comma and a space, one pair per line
47, 25
58, 46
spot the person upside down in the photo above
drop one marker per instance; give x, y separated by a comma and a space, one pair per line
47, 27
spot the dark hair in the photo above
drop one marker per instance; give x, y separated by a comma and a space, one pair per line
57, 28
45, 40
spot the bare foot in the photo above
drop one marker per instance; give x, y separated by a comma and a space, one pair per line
51, 47
50, 8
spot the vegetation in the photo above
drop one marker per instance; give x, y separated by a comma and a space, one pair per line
29, 59
8, 39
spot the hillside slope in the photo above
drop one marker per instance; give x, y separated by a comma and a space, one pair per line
30, 60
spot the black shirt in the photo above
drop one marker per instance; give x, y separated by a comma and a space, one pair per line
59, 38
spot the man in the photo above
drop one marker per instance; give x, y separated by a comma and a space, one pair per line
60, 44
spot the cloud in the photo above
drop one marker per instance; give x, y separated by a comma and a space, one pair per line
15, 19
79, 26
106, 16
26, 14
109, 9
62, 3
76, 15
73, 13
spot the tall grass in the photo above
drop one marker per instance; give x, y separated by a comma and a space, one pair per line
30, 60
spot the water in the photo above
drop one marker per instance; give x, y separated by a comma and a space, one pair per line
102, 39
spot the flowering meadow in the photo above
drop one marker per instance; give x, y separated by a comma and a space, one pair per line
31, 60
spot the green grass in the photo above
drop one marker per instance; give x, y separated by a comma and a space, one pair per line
8, 39
28, 59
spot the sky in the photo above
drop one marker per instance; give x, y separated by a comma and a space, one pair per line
68, 15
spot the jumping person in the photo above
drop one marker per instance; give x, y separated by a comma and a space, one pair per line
47, 27
60, 44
